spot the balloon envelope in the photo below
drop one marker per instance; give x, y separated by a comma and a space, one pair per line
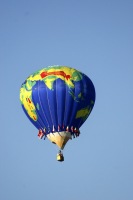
57, 100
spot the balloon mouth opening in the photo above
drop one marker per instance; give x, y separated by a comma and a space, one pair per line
59, 138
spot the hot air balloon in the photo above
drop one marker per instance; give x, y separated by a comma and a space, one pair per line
57, 100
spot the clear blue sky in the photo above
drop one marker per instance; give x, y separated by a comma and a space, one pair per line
95, 37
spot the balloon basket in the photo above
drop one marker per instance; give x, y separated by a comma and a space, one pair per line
60, 157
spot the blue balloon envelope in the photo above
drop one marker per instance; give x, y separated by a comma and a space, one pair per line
57, 100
